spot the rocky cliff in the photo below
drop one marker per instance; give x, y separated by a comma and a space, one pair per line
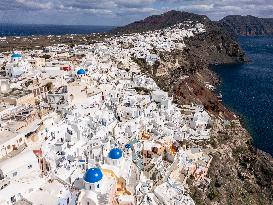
215, 46
248, 25
239, 173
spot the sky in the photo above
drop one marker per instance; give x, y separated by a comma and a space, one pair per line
121, 12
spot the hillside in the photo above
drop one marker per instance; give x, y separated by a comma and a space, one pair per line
248, 25
164, 20
214, 46
239, 173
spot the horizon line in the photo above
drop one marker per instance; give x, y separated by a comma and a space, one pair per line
48, 24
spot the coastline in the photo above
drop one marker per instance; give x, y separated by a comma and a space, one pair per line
237, 164
239, 116
242, 119
247, 89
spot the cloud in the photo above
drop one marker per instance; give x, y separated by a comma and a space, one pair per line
134, 3
136, 11
88, 4
118, 12
31, 4
198, 7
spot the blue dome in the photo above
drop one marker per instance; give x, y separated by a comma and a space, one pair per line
81, 72
128, 146
16, 55
93, 175
115, 153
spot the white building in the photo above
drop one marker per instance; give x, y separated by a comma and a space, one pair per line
17, 66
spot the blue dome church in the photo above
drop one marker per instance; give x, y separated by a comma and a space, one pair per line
15, 57
92, 178
81, 72
115, 153
115, 156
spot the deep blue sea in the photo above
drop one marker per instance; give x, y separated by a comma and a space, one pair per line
27, 30
248, 89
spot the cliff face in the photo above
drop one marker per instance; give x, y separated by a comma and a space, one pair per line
215, 46
239, 173
248, 25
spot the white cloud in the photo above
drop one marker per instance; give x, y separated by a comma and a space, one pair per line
134, 3
31, 4
201, 7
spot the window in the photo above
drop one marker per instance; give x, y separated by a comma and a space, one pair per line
14, 174
29, 166
13, 199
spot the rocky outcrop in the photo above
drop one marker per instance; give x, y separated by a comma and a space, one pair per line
239, 173
248, 25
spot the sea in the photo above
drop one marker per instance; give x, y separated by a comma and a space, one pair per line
247, 89
27, 30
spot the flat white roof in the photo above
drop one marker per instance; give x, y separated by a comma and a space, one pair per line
5, 136
18, 161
